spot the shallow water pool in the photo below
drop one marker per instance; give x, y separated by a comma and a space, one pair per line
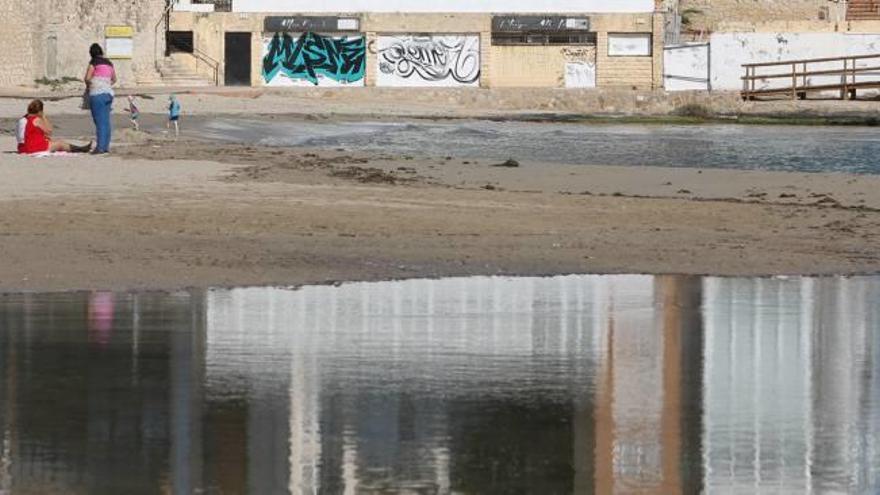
575, 384
747, 147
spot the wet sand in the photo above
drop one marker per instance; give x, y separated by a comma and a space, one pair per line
159, 214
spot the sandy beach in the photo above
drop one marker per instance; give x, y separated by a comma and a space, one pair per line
165, 214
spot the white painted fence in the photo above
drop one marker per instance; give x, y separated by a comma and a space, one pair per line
686, 67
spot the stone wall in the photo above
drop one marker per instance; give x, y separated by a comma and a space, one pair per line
43, 38
714, 15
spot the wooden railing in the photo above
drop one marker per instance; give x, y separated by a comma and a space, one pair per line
798, 73
863, 10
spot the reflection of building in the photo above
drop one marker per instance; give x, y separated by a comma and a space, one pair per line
788, 385
370, 363
560, 385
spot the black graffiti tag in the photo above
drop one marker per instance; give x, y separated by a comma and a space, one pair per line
433, 59
311, 55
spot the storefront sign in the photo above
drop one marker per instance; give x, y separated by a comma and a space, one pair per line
303, 24
520, 23
119, 32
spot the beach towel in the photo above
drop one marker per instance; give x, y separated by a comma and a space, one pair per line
49, 154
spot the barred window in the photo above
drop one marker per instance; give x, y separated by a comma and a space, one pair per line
219, 5
544, 38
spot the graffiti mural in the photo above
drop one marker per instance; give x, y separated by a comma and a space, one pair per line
580, 67
312, 59
430, 60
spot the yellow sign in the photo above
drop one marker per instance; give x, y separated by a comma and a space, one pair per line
119, 32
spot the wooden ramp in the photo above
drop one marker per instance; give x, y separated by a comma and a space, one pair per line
863, 10
796, 78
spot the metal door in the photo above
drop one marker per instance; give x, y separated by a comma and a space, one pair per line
237, 59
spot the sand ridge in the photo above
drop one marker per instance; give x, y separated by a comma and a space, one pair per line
160, 214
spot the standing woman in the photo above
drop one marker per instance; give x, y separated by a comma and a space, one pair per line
100, 78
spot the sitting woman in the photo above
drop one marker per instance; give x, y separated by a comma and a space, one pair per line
38, 134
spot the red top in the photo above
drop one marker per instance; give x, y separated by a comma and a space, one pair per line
35, 140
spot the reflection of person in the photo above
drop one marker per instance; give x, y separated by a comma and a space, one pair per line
100, 317
100, 78
174, 114
134, 112
36, 133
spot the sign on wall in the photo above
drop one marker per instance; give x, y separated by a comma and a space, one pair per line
429, 60
119, 42
520, 23
312, 59
303, 24
629, 44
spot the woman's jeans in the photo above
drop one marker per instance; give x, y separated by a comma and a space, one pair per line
101, 105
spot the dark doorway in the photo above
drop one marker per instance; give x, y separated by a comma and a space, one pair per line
180, 41
238, 59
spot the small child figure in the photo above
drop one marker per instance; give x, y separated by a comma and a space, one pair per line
174, 115
135, 113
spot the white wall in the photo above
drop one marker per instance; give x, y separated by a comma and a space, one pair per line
501, 6
731, 50
686, 67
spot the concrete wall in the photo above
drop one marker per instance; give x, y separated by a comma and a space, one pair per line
51, 39
529, 66
512, 6
507, 66
730, 50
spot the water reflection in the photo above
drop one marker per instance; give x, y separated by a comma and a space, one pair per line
581, 384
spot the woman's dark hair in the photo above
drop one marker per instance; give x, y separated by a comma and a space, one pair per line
35, 107
96, 51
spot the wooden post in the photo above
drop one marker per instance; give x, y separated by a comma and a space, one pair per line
853, 90
794, 81
752, 94
843, 91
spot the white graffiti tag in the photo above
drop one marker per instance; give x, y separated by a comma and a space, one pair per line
449, 60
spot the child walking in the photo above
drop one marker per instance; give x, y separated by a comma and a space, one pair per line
134, 113
174, 114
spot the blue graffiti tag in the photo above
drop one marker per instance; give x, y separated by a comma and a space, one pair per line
311, 55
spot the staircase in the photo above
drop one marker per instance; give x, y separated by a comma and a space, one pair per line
863, 10
175, 71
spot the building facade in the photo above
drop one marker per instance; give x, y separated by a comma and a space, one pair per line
563, 44
49, 40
